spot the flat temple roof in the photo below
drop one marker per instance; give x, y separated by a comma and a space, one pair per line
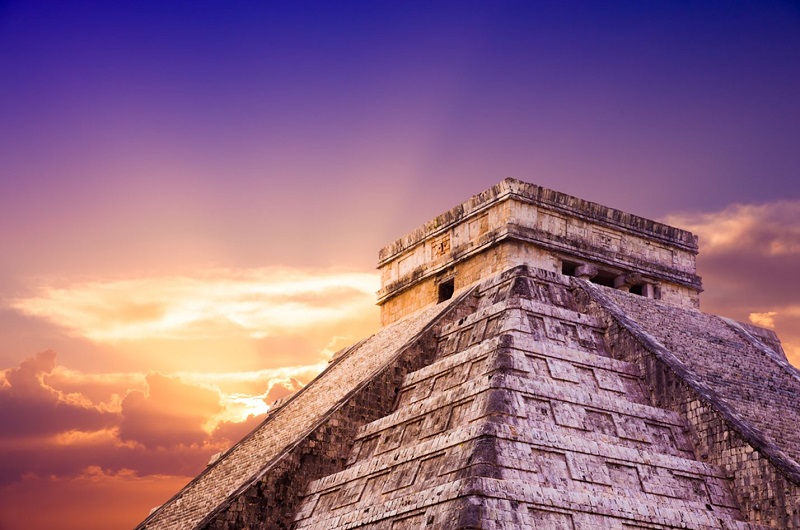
550, 200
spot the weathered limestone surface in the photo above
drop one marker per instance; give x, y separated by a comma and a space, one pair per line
733, 384
516, 223
524, 421
544, 366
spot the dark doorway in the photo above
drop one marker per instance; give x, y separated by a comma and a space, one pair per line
446, 290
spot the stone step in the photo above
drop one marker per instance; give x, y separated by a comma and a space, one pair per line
569, 405
498, 504
531, 306
600, 376
517, 449
526, 345
553, 324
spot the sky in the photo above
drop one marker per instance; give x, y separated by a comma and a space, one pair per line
193, 195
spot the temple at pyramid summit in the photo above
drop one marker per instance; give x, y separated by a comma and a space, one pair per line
543, 363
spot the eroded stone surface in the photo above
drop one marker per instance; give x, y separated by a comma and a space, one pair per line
731, 382
524, 421
516, 223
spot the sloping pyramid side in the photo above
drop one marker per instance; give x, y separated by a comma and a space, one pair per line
730, 381
523, 421
258, 482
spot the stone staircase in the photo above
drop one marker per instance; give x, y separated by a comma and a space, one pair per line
523, 420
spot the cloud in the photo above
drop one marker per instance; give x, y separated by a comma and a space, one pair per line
228, 433
749, 258
771, 229
215, 320
66, 454
169, 414
59, 421
253, 303
283, 389
252, 382
245, 394
104, 390
29, 407
765, 320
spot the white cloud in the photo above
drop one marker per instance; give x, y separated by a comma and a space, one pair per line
771, 229
217, 303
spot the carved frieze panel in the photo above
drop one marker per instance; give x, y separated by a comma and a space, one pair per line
440, 246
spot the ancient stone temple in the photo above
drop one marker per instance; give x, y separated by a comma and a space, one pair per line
543, 364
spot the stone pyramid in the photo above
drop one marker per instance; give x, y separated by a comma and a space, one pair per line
543, 364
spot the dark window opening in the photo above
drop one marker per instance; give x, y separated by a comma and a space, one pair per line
648, 290
604, 278
607, 278
568, 269
446, 290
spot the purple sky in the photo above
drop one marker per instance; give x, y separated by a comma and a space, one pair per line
197, 132
159, 160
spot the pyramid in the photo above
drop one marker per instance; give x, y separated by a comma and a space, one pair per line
542, 364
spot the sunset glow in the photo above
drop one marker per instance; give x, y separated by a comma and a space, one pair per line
213, 304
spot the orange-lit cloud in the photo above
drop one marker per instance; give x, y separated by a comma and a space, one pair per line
771, 229
169, 414
215, 321
749, 258
103, 390
252, 382
215, 303
239, 394
58, 421
765, 320
29, 407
